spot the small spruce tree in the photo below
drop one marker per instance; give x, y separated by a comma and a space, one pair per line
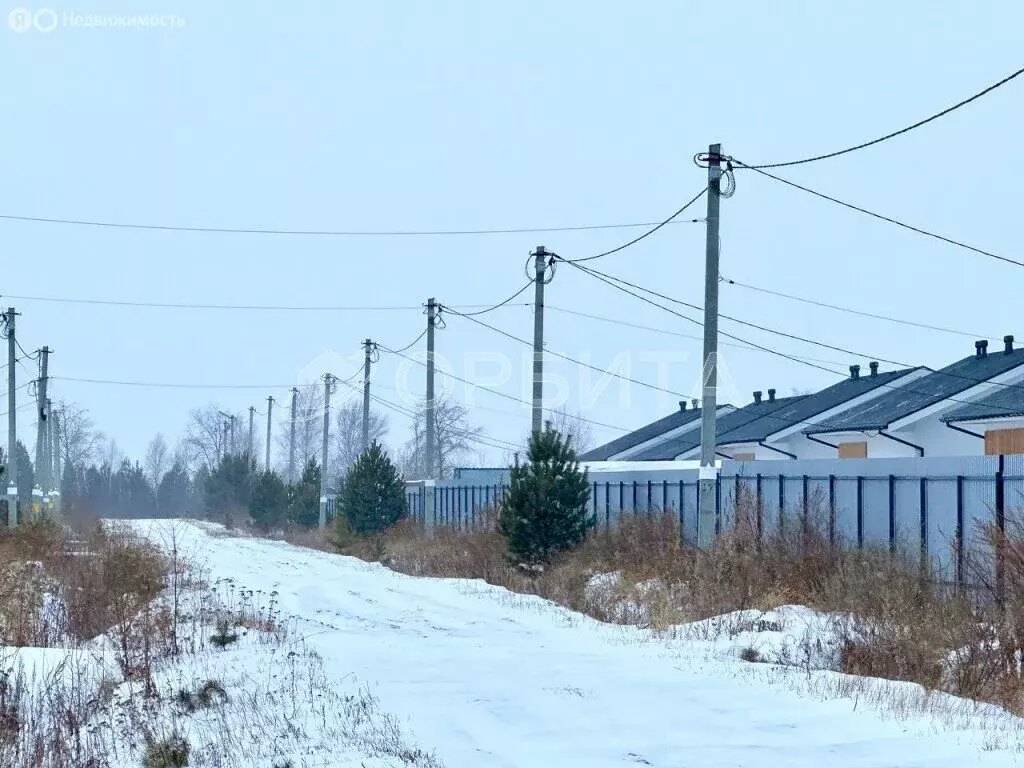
545, 509
373, 497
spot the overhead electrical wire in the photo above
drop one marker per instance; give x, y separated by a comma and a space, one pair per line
246, 307
498, 392
608, 279
881, 217
667, 332
171, 385
592, 367
646, 234
412, 343
894, 134
861, 313
324, 232
500, 304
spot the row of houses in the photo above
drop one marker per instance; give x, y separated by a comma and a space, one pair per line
972, 407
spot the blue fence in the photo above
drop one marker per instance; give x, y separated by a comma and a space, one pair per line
930, 506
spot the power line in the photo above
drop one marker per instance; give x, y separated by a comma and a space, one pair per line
894, 134
322, 233
648, 233
471, 436
498, 392
571, 359
855, 311
500, 304
247, 307
882, 217
414, 341
666, 332
19, 409
602, 276
172, 385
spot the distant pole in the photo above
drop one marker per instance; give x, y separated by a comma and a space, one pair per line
368, 349
708, 472
539, 265
252, 414
48, 450
12, 421
44, 359
270, 410
234, 446
430, 449
328, 383
291, 438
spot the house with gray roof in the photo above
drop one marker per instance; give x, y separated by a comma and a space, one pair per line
772, 428
929, 415
675, 424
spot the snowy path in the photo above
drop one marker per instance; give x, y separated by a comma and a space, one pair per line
489, 679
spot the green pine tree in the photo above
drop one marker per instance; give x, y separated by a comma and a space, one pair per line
545, 509
373, 497
268, 500
304, 497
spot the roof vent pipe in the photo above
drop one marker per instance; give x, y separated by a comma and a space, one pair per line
771, 395
854, 371
682, 405
695, 403
983, 348
757, 396
1008, 344
874, 368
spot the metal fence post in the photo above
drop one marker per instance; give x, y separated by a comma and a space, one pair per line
860, 512
1001, 525
892, 513
682, 514
634, 497
831, 509
650, 499
960, 539
924, 525
607, 507
759, 510
782, 504
805, 514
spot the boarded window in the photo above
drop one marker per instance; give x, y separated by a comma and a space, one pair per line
1004, 441
853, 450
743, 457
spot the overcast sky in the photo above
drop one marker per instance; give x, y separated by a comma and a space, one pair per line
468, 115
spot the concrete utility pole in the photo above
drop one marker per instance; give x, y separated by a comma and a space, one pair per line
368, 347
430, 449
234, 446
328, 385
291, 438
41, 479
708, 471
12, 421
248, 450
270, 410
539, 265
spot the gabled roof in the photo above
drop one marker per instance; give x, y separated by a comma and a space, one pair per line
804, 409
921, 393
642, 435
734, 420
1001, 403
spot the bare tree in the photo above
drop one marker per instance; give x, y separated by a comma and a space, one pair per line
111, 454
157, 459
78, 439
204, 440
577, 431
347, 434
455, 438
309, 426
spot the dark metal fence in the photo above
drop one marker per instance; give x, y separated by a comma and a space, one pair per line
921, 512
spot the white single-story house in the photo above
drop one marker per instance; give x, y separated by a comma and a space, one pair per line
971, 407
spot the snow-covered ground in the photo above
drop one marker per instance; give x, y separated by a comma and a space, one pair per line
483, 677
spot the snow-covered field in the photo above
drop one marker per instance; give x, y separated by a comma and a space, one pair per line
483, 677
